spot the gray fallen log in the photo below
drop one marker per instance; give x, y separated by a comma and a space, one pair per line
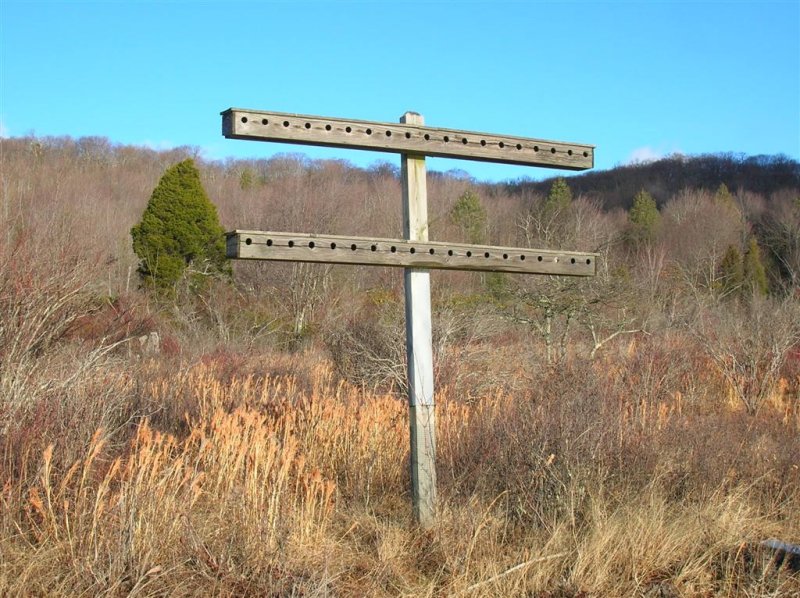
785, 554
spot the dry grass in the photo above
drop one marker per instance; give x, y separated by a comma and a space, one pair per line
273, 489
227, 466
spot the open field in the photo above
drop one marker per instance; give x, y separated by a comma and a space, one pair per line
252, 439
184, 479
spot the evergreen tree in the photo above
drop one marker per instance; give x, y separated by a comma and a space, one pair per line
559, 198
179, 229
644, 218
731, 272
723, 195
755, 275
497, 285
469, 214
247, 179
726, 201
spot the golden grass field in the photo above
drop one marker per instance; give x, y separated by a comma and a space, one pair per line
281, 487
642, 441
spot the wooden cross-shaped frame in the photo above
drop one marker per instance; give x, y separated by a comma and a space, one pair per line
413, 141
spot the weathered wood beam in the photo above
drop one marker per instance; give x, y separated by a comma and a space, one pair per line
419, 338
408, 138
334, 249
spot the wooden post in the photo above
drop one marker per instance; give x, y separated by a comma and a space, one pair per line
419, 341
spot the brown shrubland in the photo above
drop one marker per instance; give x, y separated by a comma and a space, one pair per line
253, 456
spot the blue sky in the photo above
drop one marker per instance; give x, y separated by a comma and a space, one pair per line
637, 79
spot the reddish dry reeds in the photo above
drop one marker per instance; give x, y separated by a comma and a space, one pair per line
275, 488
224, 505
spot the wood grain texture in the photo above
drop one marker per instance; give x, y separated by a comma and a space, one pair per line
419, 337
423, 463
335, 249
413, 175
257, 125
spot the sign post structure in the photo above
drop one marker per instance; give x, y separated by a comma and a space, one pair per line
415, 252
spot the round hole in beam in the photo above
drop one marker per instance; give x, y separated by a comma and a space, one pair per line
572, 261
431, 251
585, 154
353, 247
552, 150
522, 258
569, 152
244, 119
450, 252
373, 248
501, 144
588, 261
505, 256
269, 242
519, 146
311, 244
388, 133
536, 148
408, 135
328, 127
290, 243
368, 131
393, 249
248, 241
286, 123
333, 245
308, 125
446, 138
464, 140
264, 121
469, 254
412, 250
348, 129
539, 258
483, 142
486, 254
427, 137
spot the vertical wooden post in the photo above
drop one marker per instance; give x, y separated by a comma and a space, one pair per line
419, 341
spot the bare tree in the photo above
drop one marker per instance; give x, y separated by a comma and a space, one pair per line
749, 343
781, 232
699, 230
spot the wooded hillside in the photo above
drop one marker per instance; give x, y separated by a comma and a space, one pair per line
638, 431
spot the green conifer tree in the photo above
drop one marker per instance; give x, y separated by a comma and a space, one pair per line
559, 198
247, 179
731, 272
726, 201
179, 228
470, 215
755, 275
644, 218
723, 195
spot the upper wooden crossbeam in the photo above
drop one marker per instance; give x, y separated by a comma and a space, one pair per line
335, 249
239, 123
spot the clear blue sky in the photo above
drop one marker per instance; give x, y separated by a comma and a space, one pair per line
636, 79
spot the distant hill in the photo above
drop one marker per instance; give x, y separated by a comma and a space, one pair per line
664, 178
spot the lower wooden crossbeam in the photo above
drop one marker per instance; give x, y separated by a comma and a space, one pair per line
332, 249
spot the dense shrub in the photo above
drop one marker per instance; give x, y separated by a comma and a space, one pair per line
179, 230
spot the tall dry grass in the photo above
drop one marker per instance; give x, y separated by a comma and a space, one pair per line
273, 487
227, 466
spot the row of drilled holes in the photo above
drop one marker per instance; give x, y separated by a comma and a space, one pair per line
426, 136
412, 250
